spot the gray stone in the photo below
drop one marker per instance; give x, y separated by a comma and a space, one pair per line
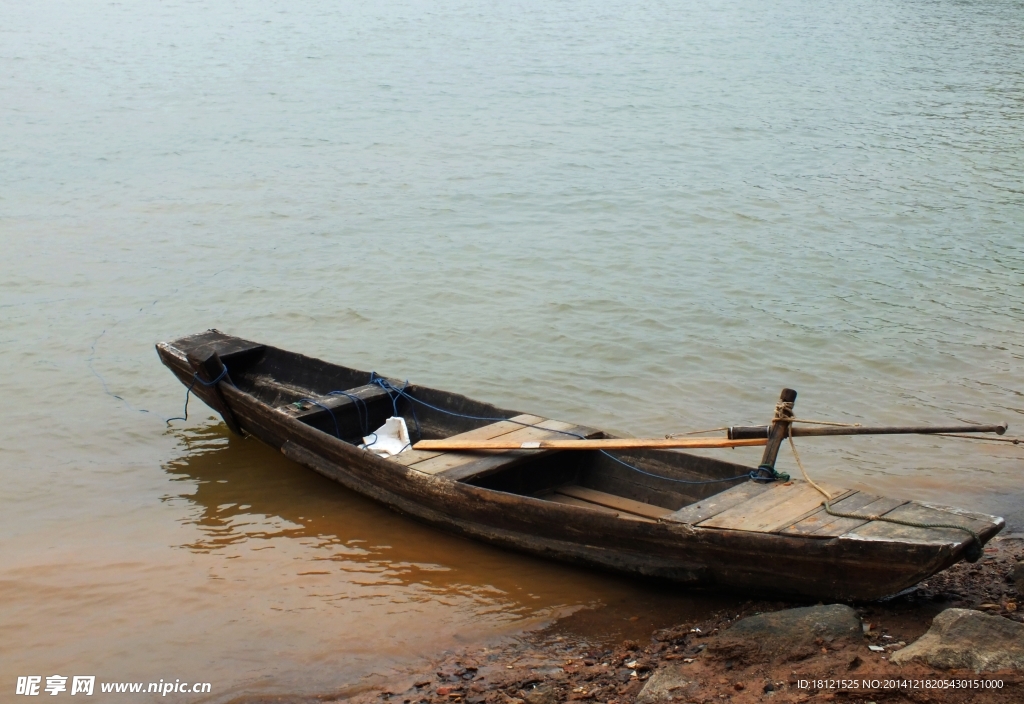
968, 640
1017, 575
792, 634
666, 684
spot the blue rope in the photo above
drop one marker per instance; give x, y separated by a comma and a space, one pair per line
337, 429
361, 409
389, 387
668, 479
188, 391
223, 373
767, 473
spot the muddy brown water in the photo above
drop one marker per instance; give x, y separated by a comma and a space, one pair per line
646, 218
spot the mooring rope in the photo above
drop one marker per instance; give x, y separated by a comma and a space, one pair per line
188, 391
973, 551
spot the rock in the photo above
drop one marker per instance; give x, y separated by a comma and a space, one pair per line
542, 694
967, 639
1017, 574
667, 683
793, 634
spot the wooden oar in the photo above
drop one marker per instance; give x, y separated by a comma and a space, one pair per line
761, 431
750, 436
596, 444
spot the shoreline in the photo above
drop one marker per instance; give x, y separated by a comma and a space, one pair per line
546, 668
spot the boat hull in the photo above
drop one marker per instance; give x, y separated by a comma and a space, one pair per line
839, 568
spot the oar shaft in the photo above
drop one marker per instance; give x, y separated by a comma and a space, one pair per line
750, 436
761, 431
451, 444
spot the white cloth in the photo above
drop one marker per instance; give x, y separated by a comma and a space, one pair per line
390, 439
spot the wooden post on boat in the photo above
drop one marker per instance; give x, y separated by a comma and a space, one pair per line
779, 428
208, 367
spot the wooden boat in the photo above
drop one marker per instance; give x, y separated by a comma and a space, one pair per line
585, 507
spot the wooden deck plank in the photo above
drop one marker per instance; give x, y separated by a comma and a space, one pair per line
913, 511
777, 493
795, 509
772, 510
450, 460
788, 513
840, 526
487, 432
823, 525
573, 501
819, 519
715, 504
612, 501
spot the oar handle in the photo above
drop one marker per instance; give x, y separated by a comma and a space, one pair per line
749, 432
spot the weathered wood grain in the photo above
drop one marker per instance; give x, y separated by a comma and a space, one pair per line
716, 503
573, 501
824, 525
778, 430
918, 513
209, 368
775, 508
611, 501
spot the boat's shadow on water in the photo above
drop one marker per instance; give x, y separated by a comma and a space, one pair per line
247, 496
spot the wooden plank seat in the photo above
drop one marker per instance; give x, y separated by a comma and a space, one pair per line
461, 466
353, 418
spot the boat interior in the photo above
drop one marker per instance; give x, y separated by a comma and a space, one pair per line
342, 402
648, 485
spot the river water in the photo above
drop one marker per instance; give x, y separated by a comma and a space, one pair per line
645, 217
